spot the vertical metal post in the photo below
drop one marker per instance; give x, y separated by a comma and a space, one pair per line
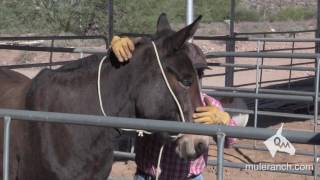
256, 100
316, 97
230, 46
189, 11
291, 61
317, 33
110, 21
189, 14
220, 143
51, 54
6, 147
258, 69
262, 59
316, 85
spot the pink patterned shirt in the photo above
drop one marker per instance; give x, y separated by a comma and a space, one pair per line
172, 166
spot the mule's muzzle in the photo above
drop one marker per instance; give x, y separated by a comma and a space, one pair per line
192, 146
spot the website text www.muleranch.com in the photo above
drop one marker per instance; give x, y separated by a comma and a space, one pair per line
279, 167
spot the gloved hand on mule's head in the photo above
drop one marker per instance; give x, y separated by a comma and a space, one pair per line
210, 115
122, 48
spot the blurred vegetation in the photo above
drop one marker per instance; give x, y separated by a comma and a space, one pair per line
51, 16
243, 14
294, 13
141, 16
90, 16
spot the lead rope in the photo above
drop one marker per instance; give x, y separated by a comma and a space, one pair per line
176, 101
141, 132
99, 85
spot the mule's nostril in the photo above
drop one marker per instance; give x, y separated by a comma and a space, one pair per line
201, 147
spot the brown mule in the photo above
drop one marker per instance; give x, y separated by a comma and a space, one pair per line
13, 89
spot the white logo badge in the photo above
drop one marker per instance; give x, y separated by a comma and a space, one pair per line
278, 142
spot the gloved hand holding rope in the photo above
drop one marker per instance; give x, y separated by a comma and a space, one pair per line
210, 115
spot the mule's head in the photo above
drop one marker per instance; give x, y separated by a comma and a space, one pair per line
178, 58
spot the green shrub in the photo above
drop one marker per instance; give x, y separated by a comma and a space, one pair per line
141, 16
75, 16
56, 16
294, 13
50, 16
243, 14
217, 10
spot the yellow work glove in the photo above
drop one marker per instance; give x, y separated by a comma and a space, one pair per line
122, 48
210, 115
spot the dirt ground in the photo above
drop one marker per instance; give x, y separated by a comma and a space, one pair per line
125, 170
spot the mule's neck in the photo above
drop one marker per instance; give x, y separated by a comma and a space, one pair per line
119, 85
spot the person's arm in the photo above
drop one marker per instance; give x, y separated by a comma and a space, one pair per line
211, 114
122, 47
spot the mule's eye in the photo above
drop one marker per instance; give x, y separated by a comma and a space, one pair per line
186, 82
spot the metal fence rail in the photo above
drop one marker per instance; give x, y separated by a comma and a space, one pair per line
260, 96
56, 49
302, 137
285, 49
29, 38
237, 36
251, 66
51, 49
284, 39
34, 65
273, 81
270, 113
278, 32
263, 55
264, 90
208, 55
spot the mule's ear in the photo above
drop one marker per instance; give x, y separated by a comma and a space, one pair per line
180, 37
163, 23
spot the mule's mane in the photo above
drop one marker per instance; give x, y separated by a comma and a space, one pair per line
86, 63
90, 63
88, 66
13, 76
83, 68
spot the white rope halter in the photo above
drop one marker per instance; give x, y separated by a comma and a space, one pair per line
141, 132
167, 83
